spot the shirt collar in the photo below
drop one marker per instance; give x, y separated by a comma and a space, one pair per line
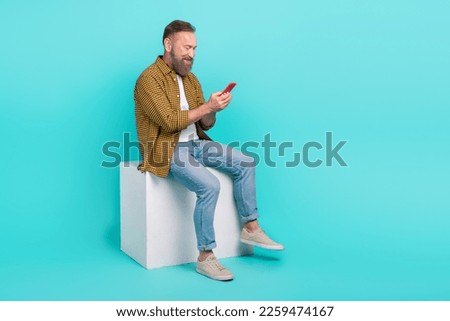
165, 69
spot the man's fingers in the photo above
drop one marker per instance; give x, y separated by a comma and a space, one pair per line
225, 97
220, 100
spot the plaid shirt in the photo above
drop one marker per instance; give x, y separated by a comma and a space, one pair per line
159, 119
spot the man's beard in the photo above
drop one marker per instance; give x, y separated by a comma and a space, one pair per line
183, 65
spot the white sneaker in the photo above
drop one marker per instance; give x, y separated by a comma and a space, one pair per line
211, 268
259, 238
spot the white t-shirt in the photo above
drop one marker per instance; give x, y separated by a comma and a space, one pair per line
190, 133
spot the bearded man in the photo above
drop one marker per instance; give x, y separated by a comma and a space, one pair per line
171, 119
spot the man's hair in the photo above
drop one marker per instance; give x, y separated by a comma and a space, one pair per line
177, 26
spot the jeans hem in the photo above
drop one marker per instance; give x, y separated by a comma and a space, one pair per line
208, 247
251, 217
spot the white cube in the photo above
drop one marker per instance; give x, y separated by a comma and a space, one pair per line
156, 219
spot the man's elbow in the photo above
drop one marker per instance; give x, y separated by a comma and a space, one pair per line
206, 125
171, 125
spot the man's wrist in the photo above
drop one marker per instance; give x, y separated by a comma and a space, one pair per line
209, 107
208, 120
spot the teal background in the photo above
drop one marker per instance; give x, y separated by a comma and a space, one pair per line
375, 73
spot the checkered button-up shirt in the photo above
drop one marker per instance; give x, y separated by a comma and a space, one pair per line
159, 119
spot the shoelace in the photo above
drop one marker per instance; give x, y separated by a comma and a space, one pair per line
217, 265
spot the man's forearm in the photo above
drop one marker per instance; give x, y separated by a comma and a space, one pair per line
203, 113
206, 113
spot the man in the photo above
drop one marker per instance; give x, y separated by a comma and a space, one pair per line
171, 117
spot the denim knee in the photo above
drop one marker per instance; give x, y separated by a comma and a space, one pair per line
245, 166
244, 161
210, 188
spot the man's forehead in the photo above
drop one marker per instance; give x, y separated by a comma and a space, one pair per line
185, 37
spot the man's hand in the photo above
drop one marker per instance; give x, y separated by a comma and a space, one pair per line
218, 101
207, 112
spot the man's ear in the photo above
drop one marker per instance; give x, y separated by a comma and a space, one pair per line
167, 44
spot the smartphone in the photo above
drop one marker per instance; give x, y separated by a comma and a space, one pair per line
228, 88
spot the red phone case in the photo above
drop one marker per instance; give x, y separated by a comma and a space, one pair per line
229, 88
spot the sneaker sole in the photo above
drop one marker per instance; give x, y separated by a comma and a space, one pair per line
264, 246
217, 278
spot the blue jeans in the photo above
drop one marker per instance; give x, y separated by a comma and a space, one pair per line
188, 167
